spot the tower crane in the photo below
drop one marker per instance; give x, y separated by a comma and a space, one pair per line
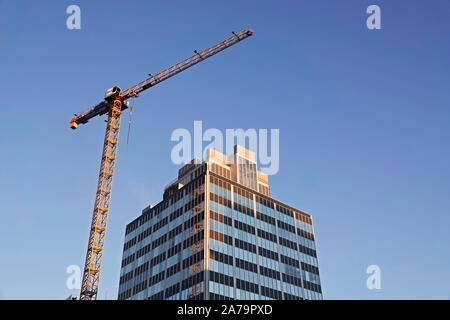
115, 102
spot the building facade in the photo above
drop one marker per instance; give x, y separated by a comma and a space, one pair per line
218, 234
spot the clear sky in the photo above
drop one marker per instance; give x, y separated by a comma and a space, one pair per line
363, 118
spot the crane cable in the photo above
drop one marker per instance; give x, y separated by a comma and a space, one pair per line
129, 124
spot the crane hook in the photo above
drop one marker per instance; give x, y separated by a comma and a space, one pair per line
129, 124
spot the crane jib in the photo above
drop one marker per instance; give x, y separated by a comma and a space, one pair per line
183, 65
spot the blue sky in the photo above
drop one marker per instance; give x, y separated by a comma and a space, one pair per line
363, 118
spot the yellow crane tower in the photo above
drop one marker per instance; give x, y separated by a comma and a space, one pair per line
115, 103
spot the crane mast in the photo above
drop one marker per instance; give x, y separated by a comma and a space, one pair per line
114, 104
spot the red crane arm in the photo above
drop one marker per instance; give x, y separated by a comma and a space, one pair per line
104, 106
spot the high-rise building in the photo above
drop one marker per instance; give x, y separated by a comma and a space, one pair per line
218, 234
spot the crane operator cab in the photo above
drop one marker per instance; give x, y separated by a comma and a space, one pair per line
112, 93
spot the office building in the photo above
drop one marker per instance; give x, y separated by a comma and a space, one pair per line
218, 234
